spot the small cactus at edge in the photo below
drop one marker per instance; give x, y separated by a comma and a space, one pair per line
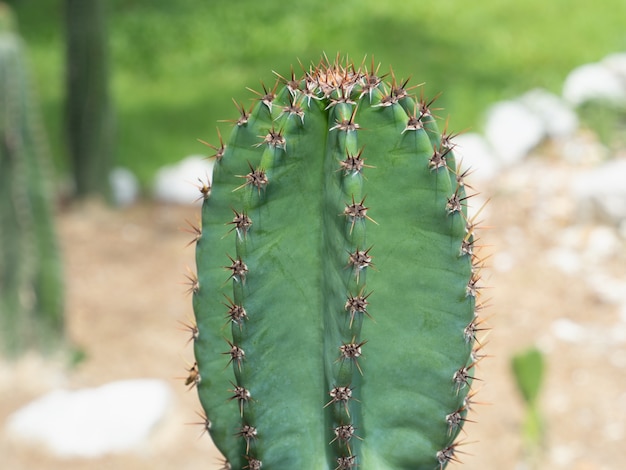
338, 288
31, 287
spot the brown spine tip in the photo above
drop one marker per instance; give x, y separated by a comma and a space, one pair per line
241, 223
237, 355
249, 433
344, 433
357, 304
241, 394
352, 352
256, 178
238, 269
340, 395
346, 463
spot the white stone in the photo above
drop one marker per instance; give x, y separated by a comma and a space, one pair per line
124, 186
566, 330
565, 259
593, 82
513, 130
601, 193
558, 117
602, 244
92, 422
474, 154
180, 183
617, 64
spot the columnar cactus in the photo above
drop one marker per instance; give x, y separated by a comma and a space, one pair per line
336, 295
31, 291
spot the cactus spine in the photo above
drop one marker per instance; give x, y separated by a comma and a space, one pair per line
31, 301
337, 285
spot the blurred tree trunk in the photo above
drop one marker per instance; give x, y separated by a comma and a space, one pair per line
89, 117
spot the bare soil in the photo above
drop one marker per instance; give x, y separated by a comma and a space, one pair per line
126, 294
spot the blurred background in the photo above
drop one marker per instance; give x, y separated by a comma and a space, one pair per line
116, 93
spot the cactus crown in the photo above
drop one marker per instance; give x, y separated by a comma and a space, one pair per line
337, 286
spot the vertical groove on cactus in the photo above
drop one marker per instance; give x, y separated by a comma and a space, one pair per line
336, 295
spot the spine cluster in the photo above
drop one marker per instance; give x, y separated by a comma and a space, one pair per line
380, 233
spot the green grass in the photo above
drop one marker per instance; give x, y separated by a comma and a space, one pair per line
177, 64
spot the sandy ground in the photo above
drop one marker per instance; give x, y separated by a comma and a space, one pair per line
125, 295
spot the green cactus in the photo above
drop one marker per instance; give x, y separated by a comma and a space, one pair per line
31, 291
337, 284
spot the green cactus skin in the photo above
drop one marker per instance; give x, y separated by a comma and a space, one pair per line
31, 290
337, 284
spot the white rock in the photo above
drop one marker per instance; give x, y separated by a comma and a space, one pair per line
513, 130
95, 421
558, 117
617, 64
474, 154
593, 82
602, 244
179, 183
601, 193
124, 186
565, 259
567, 330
